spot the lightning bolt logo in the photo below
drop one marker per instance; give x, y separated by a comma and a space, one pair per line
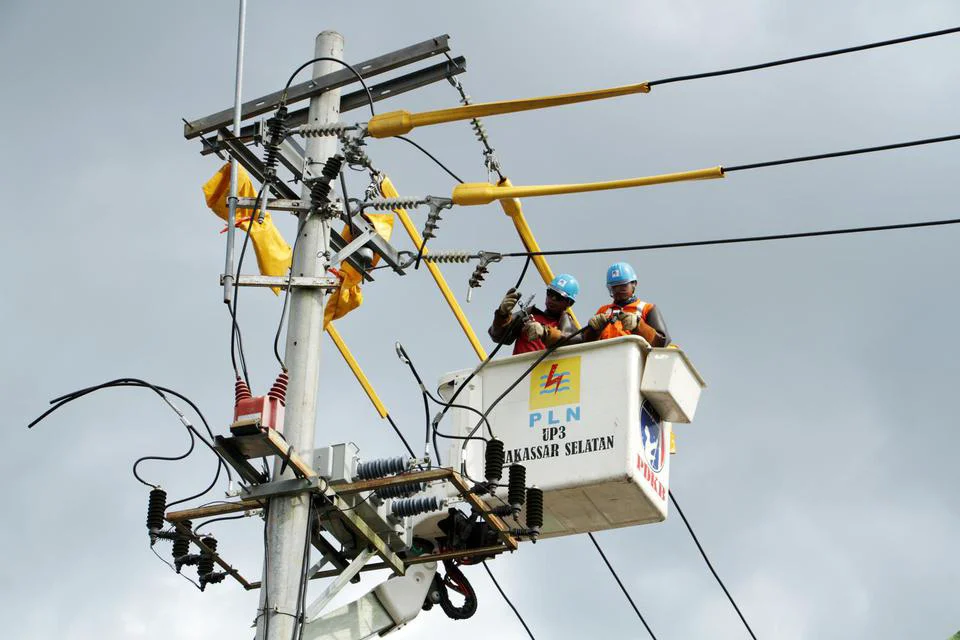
553, 381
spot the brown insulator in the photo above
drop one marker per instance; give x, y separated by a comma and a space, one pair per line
241, 391
279, 388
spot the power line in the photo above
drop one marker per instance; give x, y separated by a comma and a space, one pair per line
837, 154
622, 588
516, 613
737, 240
710, 566
804, 58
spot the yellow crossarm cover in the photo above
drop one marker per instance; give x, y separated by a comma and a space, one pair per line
474, 193
397, 123
387, 190
513, 209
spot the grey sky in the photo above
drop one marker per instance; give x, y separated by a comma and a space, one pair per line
820, 473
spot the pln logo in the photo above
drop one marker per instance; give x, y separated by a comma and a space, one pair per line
651, 438
555, 383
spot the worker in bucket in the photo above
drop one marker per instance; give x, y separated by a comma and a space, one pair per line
627, 315
531, 329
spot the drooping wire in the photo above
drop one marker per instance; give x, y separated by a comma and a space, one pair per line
710, 565
161, 391
515, 612
141, 459
812, 56
172, 568
431, 156
283, 96
620, 583
720, 241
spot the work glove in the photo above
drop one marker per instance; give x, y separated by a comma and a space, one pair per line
534, 331
629, 321
509, 302
598, 322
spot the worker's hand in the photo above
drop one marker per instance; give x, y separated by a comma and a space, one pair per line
534, 331
509, 302
598, 322
629, 321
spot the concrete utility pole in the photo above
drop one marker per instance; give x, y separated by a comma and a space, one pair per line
287, 523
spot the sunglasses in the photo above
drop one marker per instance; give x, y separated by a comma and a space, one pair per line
556, 296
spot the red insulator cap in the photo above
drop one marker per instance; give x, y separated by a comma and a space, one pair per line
279, 388
241, 391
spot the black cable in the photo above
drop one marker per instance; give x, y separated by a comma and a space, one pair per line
137, 462
431, 156
400, 435
837, 154
546, 352
212, 520
172, 568
710, 566
622, 588
479, 367
283, 96
286, 299
235, 337
515, 612
702, 243
299, 622
402, 354
812, 56
159, 390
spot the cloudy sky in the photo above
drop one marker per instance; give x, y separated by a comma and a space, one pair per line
821, 471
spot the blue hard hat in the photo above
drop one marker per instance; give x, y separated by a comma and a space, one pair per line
620, 273
565, 285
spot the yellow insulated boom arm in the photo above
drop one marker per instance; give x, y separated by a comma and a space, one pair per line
396, 123
474, 193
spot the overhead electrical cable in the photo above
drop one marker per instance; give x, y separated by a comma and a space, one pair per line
838, 154
804, 58
710, 566
513, 608
620, 583
738, 240
400, 122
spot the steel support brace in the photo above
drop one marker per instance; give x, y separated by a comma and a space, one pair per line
314, 610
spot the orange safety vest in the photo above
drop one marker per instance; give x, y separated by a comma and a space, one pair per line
615, 329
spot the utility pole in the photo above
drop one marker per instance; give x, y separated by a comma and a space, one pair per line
287, 519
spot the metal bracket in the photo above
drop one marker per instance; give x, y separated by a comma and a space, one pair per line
321, 282
277, 204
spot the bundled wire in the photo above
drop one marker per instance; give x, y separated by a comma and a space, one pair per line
160, 391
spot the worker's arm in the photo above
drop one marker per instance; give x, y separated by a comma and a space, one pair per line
505, 327
566, 328
660, 336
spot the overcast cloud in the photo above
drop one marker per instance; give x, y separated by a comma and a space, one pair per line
821, 471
